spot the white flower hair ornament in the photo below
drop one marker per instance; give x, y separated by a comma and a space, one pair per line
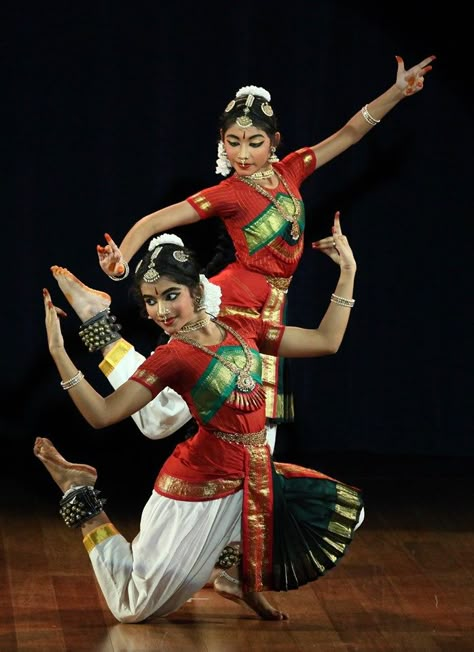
211, 296
254, 90
223, 165
165, 238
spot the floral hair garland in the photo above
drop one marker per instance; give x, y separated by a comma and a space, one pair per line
223, 165
211, 296
165, 238
254, 90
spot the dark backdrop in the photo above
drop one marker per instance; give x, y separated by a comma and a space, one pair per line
111, 114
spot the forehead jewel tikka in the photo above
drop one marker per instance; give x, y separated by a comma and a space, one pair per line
244, 121
152, 275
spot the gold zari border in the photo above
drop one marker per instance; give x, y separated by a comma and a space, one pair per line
248, 439
114, 356
196, 490
99, 535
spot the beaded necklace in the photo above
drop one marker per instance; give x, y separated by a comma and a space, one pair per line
295, 227
262, 174
195, 325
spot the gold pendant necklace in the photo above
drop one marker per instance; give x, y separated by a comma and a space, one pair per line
244, 383
295, 227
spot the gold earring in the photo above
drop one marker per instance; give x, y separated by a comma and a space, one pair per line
273, 158
199, 303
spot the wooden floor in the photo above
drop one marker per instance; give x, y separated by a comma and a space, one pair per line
407, 583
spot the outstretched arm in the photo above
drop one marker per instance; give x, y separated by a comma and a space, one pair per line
408, 82
112, 257
327, 337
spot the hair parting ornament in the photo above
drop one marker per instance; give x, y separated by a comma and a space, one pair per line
252, 92
156, 245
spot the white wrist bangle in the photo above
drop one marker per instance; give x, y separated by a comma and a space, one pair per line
367, 117
122, 276
72, 382
342, 301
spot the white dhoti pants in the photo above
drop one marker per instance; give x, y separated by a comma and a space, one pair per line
171, 557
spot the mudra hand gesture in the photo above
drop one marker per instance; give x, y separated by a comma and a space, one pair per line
52, 323
411, 81
111, 260
337, 246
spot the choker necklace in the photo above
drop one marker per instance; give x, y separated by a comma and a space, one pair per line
248, 394
262, 174
195, 325
295, 227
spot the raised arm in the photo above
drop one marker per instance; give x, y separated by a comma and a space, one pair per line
97, 410
113, 259
407, 83
327, 337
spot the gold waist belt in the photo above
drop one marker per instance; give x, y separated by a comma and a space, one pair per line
279, 282
249, 439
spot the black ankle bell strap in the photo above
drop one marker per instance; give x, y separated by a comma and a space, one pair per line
99, 331
80, 505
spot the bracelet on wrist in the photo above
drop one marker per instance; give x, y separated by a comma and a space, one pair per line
342, 301
72, 382
123, 276
367, 117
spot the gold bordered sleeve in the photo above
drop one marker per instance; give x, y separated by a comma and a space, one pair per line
215, 200
159, 370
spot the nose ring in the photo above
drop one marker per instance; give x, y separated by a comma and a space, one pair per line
164, 313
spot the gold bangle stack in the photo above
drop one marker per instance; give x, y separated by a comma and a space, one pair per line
72, 382
342, 301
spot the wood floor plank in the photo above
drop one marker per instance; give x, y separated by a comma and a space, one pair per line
406, 584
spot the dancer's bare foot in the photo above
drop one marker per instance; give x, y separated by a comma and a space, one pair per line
85, 301
63, 472
255, 600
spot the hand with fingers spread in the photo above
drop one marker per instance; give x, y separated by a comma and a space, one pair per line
411, 81
337, 246
111, 260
